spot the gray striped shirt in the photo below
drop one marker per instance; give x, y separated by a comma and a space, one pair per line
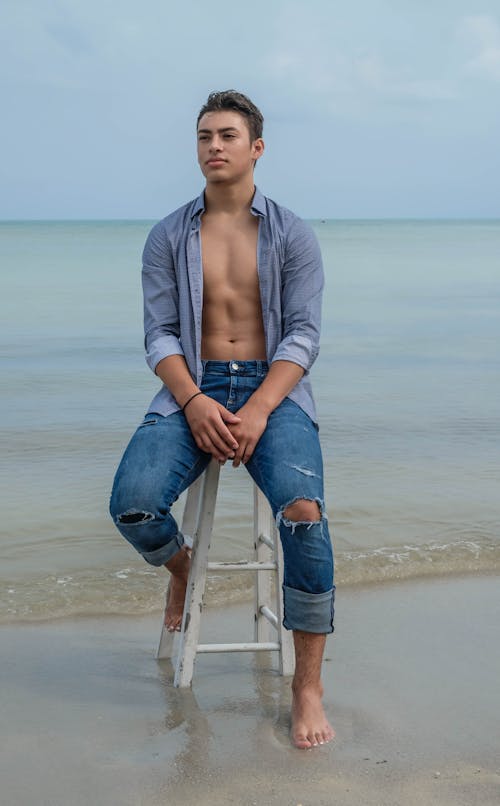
290, 275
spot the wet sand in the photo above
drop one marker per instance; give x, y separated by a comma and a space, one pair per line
411, 687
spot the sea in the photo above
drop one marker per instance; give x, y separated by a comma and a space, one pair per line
407, 386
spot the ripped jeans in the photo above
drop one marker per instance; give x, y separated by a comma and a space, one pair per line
162, 460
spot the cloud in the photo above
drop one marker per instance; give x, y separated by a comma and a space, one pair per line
371, 73
336, 75
351, 64
481, 34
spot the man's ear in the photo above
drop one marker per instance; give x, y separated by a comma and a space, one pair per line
258, 148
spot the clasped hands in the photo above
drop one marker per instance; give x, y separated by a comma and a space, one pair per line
225, 435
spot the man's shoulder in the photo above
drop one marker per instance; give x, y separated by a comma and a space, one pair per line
168, 234
178, 219
283, 214
288, 223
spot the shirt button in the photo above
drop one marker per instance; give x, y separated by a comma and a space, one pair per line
234, 366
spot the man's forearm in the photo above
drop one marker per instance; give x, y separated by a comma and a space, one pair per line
174, 373
282, 377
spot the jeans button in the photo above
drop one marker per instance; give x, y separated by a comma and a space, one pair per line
234, 366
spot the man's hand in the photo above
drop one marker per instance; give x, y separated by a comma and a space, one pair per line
253, 421
207, 420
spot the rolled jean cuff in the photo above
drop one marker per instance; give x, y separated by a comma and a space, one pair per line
163, 555
309, 612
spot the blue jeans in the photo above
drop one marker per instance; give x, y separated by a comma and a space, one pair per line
162, 460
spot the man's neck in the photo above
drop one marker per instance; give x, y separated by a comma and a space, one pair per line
230, 199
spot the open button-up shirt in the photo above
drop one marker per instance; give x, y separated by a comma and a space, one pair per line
290, 276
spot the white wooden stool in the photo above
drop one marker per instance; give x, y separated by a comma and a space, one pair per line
198, 521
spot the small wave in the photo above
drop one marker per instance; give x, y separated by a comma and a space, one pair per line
136, 591
390, 563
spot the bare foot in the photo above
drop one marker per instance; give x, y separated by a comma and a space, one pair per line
176, 591
310, 726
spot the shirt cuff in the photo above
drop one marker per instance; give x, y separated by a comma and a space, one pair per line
298, 349
162, 348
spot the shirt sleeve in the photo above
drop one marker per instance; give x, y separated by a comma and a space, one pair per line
161, 299
302, 282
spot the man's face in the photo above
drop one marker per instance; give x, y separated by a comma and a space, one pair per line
225, 151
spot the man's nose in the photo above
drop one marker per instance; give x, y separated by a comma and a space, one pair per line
215, 144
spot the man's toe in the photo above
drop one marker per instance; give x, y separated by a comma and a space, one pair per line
301, 741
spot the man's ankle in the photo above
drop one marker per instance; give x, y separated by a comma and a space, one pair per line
178, 565
313, 687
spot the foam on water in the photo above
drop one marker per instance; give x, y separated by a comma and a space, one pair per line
135, 590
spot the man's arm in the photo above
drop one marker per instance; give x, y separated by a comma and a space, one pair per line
301, 298
161, 299
164, 353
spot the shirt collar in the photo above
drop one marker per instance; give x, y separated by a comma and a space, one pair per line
258, 206
198, 205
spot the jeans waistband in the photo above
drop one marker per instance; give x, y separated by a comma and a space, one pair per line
235, 367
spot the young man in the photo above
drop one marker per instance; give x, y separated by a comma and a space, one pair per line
232, 298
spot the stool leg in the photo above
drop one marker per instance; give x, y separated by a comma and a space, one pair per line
189, 521
190, 629
263, 525
285, 638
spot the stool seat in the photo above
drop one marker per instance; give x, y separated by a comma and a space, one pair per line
269, 633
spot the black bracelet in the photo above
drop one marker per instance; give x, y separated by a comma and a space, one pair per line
190, 399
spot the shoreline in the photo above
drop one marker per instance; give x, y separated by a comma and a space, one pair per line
227, 595
410, 687
108, 593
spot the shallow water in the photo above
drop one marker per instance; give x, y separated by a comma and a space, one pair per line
407, 386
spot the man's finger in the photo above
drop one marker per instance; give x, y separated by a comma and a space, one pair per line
240, 453
225, 434
248, 451
208, 447
206, 444
228, 416
226, 447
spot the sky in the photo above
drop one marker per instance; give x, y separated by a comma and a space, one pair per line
373, 108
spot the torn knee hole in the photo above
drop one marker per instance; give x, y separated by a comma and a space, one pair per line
303, 510
134, 517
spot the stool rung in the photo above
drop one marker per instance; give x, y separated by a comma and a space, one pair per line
271, 617
267, 541
244, 565
268, 646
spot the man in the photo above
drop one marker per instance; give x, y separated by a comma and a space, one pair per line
232, 294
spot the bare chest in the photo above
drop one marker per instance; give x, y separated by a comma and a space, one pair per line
229, 257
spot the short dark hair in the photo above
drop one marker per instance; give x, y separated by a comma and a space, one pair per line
237, 102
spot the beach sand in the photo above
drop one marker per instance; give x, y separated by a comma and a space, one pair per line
411, 686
